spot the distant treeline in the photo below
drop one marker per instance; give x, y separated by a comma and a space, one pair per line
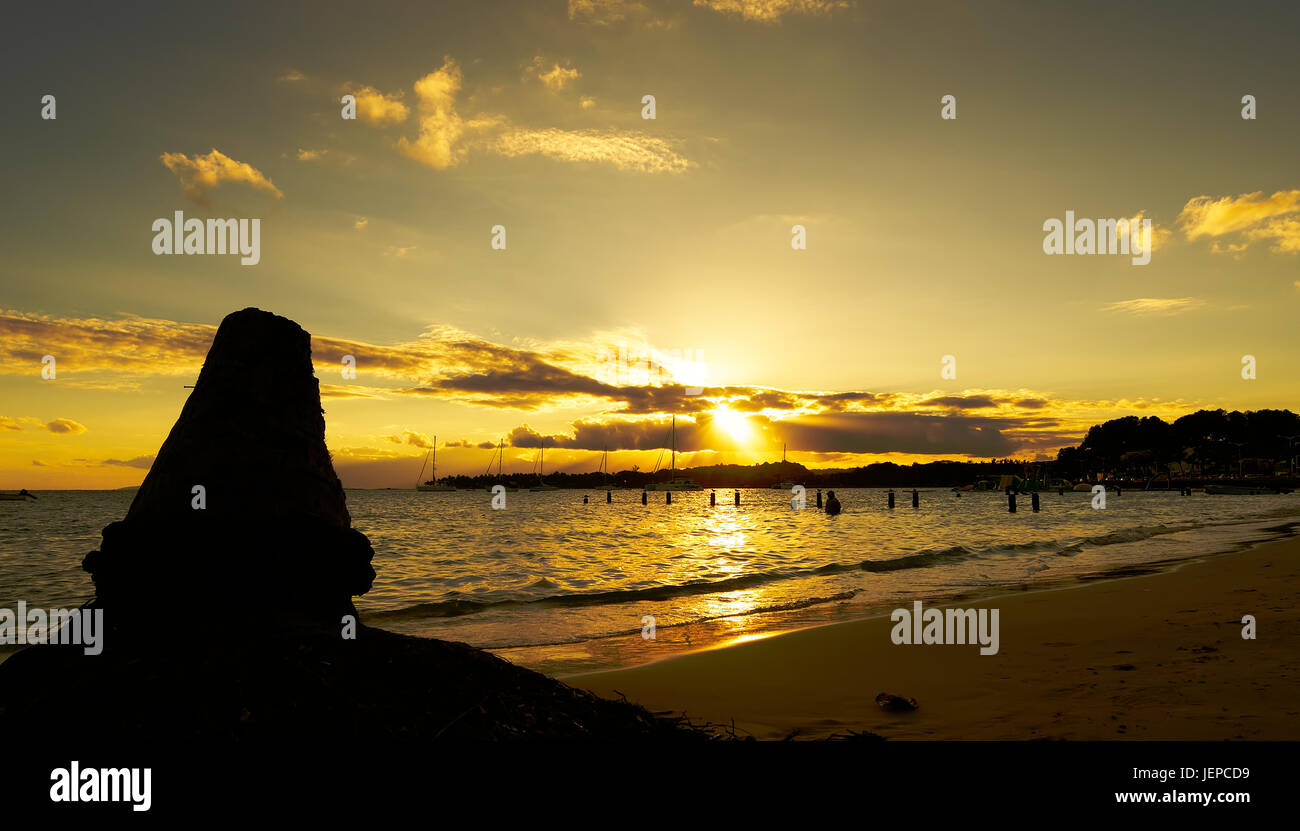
1204, 444
883, 474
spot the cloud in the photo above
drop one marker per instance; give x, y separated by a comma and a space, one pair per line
339, 391
413, 438
379, 110
200, 174
65, 425
310, 155
961, 402
771, 11
440, 125
606, 12
1255, 217
626, 151
556, 78
133, 344
834, 433
445, 138
292, 76
1155, 305
586, 102
142, 462
7, 423
361, 223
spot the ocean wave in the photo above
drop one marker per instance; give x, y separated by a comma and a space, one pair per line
925, 558
791, 606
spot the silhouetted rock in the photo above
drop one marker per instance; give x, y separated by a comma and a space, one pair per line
274, 536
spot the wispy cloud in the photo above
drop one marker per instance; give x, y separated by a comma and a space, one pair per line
555, 78
445, 138
606, 12
1155, 305
1252, 216
200, 174
771, 11
626, 151
142, 462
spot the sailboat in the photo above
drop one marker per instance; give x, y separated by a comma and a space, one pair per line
783, 485
541, 474
432, 484
675, 482
499, 456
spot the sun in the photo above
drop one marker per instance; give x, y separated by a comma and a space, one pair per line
734, 424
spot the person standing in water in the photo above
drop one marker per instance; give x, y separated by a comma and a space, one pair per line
832, 504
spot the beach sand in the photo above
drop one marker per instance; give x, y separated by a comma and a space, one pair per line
1155, 656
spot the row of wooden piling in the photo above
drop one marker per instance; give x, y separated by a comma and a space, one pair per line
916, 498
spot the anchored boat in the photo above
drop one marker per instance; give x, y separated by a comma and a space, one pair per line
675, 482
432, 484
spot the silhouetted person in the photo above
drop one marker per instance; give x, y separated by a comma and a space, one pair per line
832, 504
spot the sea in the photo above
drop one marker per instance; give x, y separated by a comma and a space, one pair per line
565, 586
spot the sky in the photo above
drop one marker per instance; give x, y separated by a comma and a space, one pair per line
648, 267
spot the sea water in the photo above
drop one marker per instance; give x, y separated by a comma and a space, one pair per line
563, 586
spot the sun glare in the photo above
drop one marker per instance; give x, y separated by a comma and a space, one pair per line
732, 423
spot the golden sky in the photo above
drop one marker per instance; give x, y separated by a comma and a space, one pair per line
648, 268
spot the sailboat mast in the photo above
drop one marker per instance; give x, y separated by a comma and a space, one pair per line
674, 461
433, 473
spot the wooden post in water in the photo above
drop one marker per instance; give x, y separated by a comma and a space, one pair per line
819, 499
737, 497
713, 499
643, 497
584, 499
1011, 501
609, 496
1033, 500
669, 499
891, 500
916, 498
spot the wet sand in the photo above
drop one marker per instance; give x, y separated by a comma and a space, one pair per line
1154, 656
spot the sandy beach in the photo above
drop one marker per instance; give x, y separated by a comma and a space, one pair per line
1154, 656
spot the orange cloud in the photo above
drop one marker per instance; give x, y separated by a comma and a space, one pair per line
200, 174
771, 11
65, 425
379, 110
1155, 305
1255, 217
445, 138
